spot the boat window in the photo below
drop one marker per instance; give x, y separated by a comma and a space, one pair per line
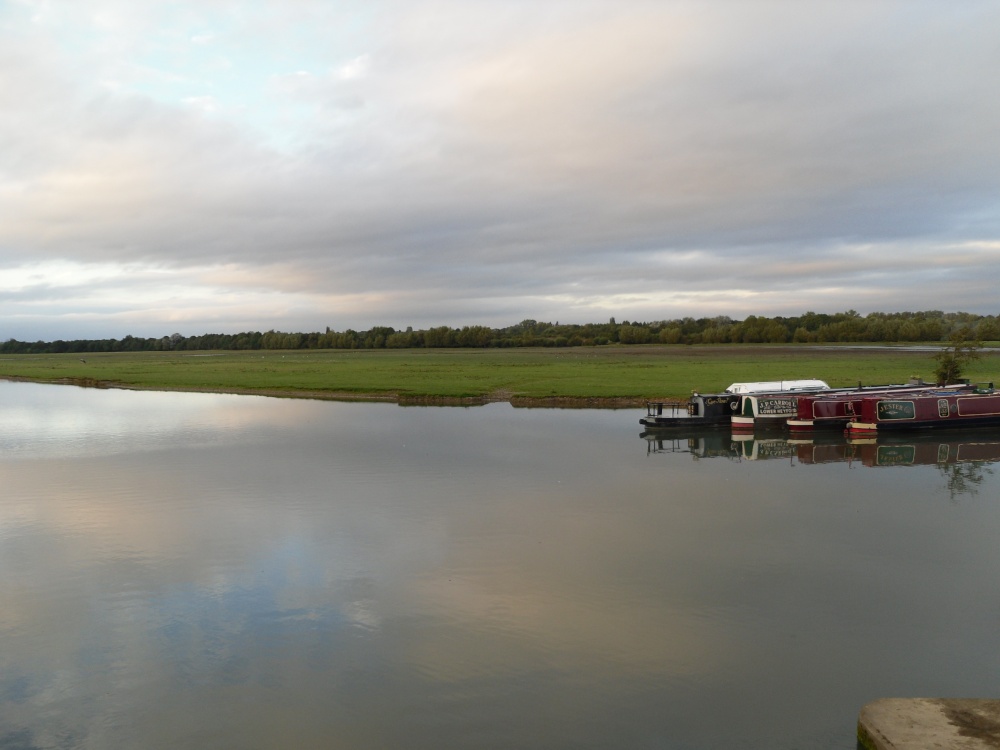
942, 407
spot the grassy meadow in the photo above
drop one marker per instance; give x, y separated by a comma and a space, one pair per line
622, 374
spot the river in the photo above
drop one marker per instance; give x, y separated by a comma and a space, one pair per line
216, 571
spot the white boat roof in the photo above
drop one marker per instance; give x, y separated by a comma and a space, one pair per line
770, 386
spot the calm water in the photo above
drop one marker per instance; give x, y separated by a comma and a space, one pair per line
207, 571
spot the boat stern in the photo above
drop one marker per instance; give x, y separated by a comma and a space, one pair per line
861, 429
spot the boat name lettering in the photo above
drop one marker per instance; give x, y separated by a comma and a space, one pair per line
717, 400
776, 406
887, 410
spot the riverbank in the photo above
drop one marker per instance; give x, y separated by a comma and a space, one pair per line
579, 377
918, 723
561, 402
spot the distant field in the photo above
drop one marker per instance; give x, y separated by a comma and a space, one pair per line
615, 375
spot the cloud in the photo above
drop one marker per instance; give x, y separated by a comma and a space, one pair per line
445, 162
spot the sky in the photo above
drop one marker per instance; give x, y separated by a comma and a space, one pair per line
222, 166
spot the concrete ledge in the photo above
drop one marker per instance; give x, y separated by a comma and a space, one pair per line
930, 723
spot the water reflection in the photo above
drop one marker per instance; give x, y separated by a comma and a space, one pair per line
896, 450
189, 571
963, 459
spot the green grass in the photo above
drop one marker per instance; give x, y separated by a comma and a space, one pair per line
631, 373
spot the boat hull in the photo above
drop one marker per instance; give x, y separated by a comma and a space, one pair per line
813, 425
682, 423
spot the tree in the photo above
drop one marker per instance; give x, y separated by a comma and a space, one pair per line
963, 349
629, 334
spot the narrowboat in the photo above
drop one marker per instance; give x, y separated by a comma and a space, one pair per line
773, 408
713, 409
825, 411
979, 407
701, 410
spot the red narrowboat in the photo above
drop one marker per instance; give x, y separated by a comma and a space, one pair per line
823, 411
933, 410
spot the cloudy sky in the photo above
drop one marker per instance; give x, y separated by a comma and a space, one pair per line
223, 165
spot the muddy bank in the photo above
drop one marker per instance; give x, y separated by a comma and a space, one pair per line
548, 402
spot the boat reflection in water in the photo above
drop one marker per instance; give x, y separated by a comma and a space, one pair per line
718, 444
893, 450
963, 459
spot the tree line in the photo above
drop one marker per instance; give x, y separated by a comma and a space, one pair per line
877, 327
